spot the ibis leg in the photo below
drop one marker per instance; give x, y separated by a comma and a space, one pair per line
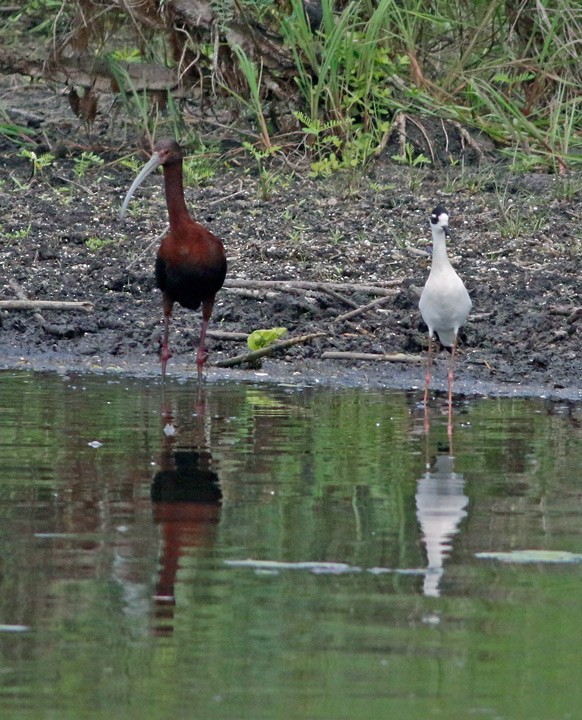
166, 354
201, 354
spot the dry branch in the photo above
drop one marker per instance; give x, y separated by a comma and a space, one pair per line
395, 357
385, 289
45, 305
364, 308
34, 305
337, 296
572, 312
270, 350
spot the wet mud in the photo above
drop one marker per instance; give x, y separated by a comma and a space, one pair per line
516, 243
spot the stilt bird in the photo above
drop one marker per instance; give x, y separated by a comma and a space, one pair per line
444, 303
190, 264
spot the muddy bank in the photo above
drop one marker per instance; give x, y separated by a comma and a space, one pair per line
517, 245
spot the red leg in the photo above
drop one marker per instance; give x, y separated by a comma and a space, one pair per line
207, 306
428, 369
427, 383
166, 354
451, 378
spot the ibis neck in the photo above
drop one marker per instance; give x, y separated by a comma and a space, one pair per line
177, 210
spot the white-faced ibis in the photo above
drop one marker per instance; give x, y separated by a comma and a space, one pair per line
444, 303
190, 264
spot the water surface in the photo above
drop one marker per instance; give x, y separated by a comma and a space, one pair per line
257, 552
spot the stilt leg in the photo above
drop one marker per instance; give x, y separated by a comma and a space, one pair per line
428, 370
427, 383
451, 378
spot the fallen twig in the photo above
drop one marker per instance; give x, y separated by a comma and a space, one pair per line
34, 306
270, 350
384, 289
45, 305
364, 308
250, 293
394, 357
572, 312
561, 309
240, 191
338, 296
478, 317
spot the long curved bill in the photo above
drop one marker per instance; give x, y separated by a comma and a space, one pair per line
146, 170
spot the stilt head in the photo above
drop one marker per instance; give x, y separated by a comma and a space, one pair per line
439, 218
166, 152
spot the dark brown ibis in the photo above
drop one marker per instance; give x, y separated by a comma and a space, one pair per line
190, 264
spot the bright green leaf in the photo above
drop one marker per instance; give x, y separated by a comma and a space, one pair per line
259, 339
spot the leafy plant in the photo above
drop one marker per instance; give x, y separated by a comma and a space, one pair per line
409, 158
144, 110
508, 70
97, 243
197, 169
85, 161
20, 234
371, 61
267, 180
253, 77
38, 162
259, 339
15, 133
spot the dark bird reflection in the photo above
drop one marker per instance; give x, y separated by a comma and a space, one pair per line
186, 497
440, 508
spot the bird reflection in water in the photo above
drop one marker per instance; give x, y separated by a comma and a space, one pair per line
440, 508
186, 497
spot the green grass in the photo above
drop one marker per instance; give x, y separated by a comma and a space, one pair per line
507, 69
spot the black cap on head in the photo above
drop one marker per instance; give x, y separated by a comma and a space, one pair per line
436, 213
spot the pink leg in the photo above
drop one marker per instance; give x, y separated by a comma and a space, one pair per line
166, 354
427, 383
451, 378
201, 354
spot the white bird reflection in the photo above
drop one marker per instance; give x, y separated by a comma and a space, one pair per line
440, 507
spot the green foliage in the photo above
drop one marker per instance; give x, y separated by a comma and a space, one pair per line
15, 133
253, 77
97, 243
267, 179
507, 69
518, 222
146, 113
38, 162
197, 169
454, 61
20, 234
86, 161
40, 15
259, 339
409, 158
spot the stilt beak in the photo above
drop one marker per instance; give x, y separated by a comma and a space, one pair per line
147, 169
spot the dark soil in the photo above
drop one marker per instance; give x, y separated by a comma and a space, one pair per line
516, 243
